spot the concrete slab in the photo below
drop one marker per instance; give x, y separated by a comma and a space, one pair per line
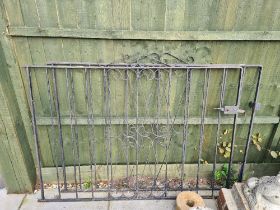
211, 203
11, 201
29, 202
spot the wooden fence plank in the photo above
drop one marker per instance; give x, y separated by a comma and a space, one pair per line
16, 157
16, 118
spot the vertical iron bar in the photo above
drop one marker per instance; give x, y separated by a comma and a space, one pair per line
203, 113
88, 99
76, 127
221, 104
53, 132
35, 133
238, 98
168, 132
137, 129
107, 131
59, 127
92, 128
72, 129
240, 177
106, 126
158, 77
186, 125
94, 139
126, 124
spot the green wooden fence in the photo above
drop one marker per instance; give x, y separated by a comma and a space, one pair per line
198, 31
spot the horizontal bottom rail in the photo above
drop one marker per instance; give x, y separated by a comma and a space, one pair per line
119, 198
51, 195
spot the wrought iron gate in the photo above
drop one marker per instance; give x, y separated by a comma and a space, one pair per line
138, 121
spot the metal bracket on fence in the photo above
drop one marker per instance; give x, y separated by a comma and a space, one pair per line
256, 105
231, 110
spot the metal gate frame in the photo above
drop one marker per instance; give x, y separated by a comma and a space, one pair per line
51, 71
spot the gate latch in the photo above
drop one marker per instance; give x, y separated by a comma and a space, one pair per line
231, 110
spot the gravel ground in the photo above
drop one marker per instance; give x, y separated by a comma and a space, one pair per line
144, 182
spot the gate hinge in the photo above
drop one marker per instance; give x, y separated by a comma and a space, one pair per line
231, 110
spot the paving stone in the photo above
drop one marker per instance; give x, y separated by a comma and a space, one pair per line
226, 201
211, 203
11, 201
239, 197
31, 203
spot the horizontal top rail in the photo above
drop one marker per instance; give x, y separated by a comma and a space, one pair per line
149, 64
142, 66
